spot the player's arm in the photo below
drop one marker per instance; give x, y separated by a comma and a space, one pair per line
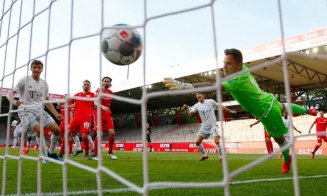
228, 110
296, 129
255, 123
105, 108
187, 110
173, 84
53, 110
12, 100
311, 126
62, 106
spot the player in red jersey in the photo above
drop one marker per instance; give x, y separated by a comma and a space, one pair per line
69, 117
269, 144
106, 118
321, 125
83, 115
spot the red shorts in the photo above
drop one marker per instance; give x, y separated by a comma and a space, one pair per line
106, 121
81, 124
266, 134
320, 138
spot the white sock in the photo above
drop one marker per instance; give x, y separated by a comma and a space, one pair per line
53, 145
15, 142
200, 147
77, 142
43, 147
91, 143
219, 150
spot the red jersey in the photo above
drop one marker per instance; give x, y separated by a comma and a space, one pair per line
105, 101
63, 114
321, 124
83, 109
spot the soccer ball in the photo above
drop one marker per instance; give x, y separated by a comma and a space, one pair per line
121, 45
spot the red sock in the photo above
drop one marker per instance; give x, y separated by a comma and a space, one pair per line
86, 145
271, 147
95, 151
62, 146
316, 148
268, 146
70, 143
111, 143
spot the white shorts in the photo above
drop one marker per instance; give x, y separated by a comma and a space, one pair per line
30, 118
206, 133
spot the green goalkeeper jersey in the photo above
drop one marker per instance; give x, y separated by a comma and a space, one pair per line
245, 89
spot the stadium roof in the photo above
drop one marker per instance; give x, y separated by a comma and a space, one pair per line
306, 61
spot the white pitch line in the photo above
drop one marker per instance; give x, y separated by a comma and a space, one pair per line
152, 188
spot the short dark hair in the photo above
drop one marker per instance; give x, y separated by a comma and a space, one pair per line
36, 62
106, 77
87, 81
235, 53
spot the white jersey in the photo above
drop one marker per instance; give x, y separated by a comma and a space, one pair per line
34, 94
18, 129
207, 112
14, 123
287, 124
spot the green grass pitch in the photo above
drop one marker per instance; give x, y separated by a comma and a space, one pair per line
163, 167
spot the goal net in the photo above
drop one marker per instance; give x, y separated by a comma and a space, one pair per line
180, 38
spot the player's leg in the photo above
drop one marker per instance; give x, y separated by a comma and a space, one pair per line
149, 142
49, 123
319, 143
74, 126
217, 142
275, 127
77, 143
111, 144
62, 141
14, 144
85, 126
54, 136
96, 143
91, 145
268, 142
198, 143
297, 109
28, 143
54, 139
85, 137
214, 132
40, 141
110, 125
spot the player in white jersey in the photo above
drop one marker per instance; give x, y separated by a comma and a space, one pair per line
12, 128
17, 133
287, 123
33, 91
209, 127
